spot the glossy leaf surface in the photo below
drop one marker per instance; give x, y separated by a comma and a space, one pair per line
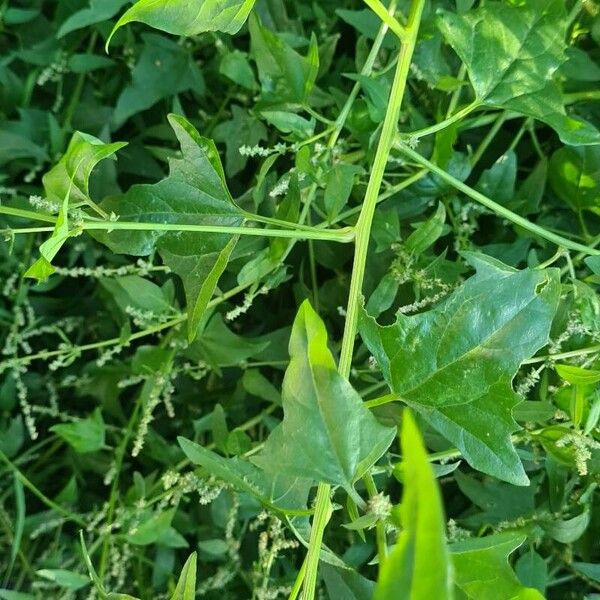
327, 434
454, 364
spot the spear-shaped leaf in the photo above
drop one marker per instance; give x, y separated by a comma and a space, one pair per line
327, 434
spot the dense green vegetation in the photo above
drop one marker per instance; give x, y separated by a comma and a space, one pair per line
299, 299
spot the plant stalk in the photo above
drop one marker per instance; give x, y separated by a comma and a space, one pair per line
363, 234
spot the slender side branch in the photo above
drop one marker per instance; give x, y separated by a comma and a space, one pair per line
382, 12
494, 206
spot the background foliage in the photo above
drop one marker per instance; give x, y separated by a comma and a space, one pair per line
180, 229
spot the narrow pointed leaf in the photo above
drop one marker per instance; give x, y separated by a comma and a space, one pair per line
419, 566
186, 586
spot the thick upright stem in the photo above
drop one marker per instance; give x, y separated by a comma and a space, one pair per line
363, 234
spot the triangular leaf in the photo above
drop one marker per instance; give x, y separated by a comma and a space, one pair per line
327, 434
524, 47
186, 586
194, 193
455, 363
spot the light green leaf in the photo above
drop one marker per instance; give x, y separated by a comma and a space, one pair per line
455, 363
195, 192
524, 47
133, 291
71, 175
569, 530
285, 76
63, 578
84, 435
152, 528
186, 586
188, 17
327, 434
482, 571
8, 595
578, 375
575, 177
419, 566
281, 490
42, 268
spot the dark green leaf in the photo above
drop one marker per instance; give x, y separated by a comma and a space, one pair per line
84, 435
454, 364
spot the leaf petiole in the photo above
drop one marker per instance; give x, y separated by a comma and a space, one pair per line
494, 206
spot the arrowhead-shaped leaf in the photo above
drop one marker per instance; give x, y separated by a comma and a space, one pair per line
327, 434
524, 47
194, 193
482, 571
455, 363
71, 175
419, 566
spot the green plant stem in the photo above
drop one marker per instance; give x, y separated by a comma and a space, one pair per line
563, 355
494, 206
332, 235
382, 12
26, 214
363, 233
457, 116
320, 520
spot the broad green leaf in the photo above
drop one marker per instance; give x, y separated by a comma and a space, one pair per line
285, 76
84, 435
164, 68
482, 571
71, 175
188, 17
569, 530
575, 177
186, 586
195, 193
532, 570
578, 375
64, 578
346, 584
243, 129
152, 528
524, 47
339, 182
455, 363
419, 566
327, 434
591, 570
220, 347
281, 490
